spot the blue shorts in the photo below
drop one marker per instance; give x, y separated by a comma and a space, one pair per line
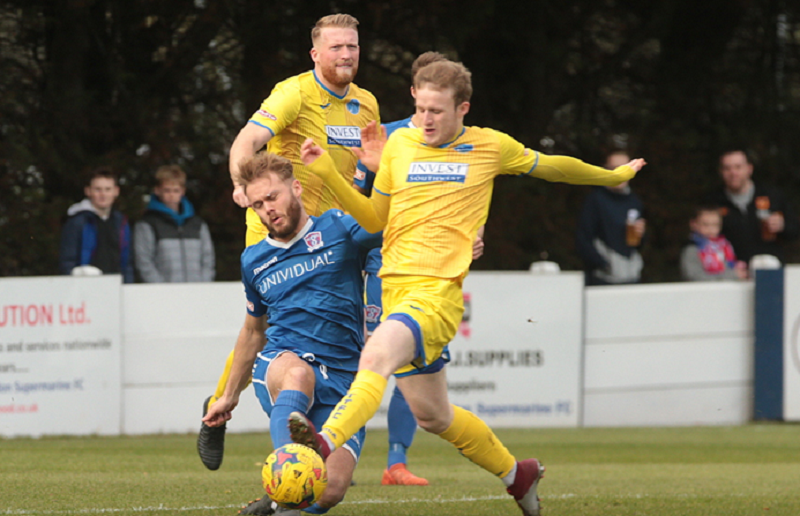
330, 386
372, 301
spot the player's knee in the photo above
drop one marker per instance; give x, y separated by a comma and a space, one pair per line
377, 361
433, 423
300, 377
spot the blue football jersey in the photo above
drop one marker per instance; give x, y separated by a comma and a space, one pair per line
311, 288
365, 178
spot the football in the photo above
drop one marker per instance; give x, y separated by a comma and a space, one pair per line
294, 476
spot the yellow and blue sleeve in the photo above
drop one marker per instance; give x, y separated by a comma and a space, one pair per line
279, 109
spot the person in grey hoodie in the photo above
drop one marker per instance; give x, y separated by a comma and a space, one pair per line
171, 243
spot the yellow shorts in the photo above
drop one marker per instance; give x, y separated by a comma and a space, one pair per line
432, 309
256, 230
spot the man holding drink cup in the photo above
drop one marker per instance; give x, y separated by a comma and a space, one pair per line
610, 231
756, 218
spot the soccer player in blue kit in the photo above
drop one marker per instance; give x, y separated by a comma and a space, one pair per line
304, 328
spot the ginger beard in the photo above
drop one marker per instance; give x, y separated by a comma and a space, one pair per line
336, 56
340, 74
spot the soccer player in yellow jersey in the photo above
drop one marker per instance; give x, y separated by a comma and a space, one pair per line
323, 104
430, 195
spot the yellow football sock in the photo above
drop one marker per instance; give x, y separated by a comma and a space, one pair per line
223, 379
356, 408
476, 441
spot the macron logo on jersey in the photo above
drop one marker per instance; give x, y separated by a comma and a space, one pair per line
265, 266
429, 172
344, 135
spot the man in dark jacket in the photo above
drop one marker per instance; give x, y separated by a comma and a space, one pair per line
171, 243
756, 218
610, 230
96, 234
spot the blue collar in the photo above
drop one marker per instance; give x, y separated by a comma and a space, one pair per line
340, 97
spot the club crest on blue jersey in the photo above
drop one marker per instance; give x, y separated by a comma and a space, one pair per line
373, 313
313, 240
433, 171
344, 135
354, 106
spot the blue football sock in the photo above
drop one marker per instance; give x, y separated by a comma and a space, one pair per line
287, 402
402, 427
315, 509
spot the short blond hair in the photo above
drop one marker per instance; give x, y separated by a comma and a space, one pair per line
338, 21
443, 75
263, 163
424, 60
170, 174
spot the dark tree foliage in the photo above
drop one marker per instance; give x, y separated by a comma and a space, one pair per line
135, 84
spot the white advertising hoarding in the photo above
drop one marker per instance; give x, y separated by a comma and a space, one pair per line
60, 356
516, 360
791, 344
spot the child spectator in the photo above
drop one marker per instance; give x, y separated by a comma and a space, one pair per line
171, 243
95, 233
709, 256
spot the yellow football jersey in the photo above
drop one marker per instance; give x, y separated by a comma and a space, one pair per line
302, 107
430, 201
439, 196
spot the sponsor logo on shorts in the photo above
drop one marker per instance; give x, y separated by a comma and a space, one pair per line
354, 106
267, 114
373, 313
313, 240
250, 306
344, 135
360, 175
429, 172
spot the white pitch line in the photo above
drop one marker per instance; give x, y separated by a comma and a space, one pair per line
162, 508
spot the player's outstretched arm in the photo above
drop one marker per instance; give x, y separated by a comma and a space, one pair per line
365, 210
251, 340
564, 169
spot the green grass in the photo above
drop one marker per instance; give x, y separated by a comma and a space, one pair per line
703, 471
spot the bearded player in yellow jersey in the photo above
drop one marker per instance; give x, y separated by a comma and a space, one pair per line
430, 194
323, 104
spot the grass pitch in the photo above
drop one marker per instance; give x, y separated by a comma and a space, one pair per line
749, 470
